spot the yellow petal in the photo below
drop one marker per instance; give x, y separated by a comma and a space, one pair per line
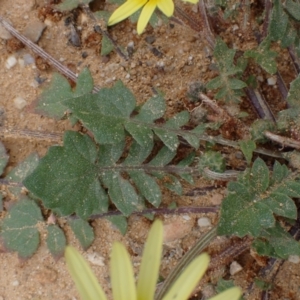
191, 1
125, 10
187, 281
121, 274
149, 269
231, 294
85, 281
146, 15
166, 6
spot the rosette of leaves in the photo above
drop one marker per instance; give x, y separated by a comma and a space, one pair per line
227, 83
253, 204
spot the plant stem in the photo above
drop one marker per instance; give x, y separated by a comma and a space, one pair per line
202, 243
161, 211
42, 53
284, 141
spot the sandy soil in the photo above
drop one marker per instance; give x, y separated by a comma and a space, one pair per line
185, 60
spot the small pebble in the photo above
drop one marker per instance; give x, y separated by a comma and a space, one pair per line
95, 259
10, 62
235, 27
150, 39
186, 217
235, 267
131, 44
272, 80
295, 259
28, 59
204, 222
20, 103
34, 30
15, 283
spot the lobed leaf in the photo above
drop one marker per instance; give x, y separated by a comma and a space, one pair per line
109, 114
19, 229
253, 200
51, 101
66, 179
276, 242
19, 173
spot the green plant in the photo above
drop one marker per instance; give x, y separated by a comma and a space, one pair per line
122, 277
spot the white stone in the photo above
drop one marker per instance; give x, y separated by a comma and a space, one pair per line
20, 103
295, 259
95, 259
15, 283
10, 62
235, 267
131, 44
204, 222
272, 80
235, 27
186, 217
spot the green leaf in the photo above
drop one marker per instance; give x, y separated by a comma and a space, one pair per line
120, 222
19, 173
264, 56
215, 83
253, 200
293, 8
121, 192
278, 22
247, 148
212, 160
236, 84
106, 46
293, 95
51, 101
173, 184
276, 242
83, 232
229, 87
84, 84
185, 163
288, 37
3, 158
224, 285
56, 241
66, 179
259, 180
258, 127
147, 187
67, 5
19, 229
105, 112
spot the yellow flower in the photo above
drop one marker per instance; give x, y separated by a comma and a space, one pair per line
131, 6
122, 277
